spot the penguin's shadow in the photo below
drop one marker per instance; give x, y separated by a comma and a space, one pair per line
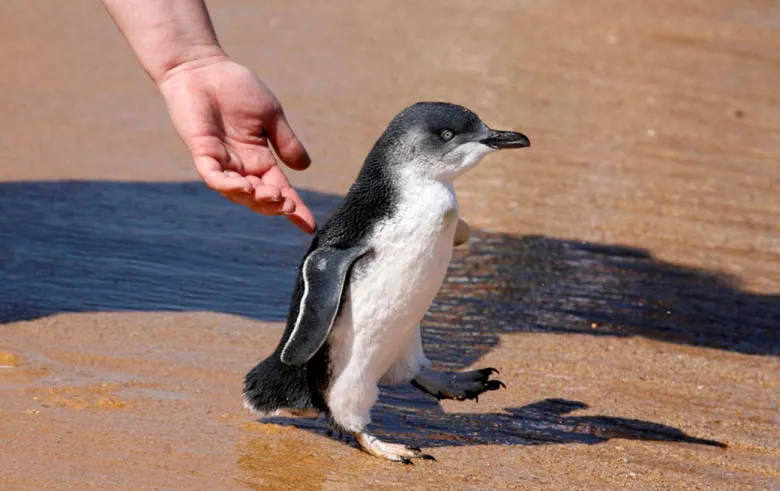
407, 417
507, 284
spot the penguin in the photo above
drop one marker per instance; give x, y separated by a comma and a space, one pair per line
370, 275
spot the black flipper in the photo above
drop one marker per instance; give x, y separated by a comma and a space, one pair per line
324, 275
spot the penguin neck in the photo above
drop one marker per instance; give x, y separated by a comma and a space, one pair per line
404, 186
414, 187
409, 178
429, 201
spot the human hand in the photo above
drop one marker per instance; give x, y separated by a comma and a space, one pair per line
227, 117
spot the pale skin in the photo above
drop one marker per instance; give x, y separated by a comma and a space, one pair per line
227, 118
224, 114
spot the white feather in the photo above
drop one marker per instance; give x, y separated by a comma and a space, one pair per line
304, 297
376, 337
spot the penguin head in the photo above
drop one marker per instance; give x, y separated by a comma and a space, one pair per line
442, 140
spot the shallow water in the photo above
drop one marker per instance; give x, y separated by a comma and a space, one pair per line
623, 272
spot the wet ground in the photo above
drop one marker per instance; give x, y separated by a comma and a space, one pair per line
623, 273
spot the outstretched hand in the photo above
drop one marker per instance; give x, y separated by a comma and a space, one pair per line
227, 117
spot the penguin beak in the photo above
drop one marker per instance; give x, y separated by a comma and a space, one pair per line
506, 139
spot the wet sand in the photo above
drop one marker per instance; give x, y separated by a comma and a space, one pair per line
623, 273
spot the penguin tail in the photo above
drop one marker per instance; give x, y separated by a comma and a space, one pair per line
273, 386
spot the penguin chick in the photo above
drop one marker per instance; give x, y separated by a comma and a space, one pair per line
371, 274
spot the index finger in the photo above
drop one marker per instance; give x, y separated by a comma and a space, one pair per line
302, 217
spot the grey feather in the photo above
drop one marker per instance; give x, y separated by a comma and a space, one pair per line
325, 273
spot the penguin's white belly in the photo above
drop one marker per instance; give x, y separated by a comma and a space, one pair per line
388, 297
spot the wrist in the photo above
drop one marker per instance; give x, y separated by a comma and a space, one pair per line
192, 58
167, 36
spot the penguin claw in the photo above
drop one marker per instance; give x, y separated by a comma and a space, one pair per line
458, 386
495, 384
391, 451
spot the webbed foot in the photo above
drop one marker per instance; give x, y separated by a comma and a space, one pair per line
457, 385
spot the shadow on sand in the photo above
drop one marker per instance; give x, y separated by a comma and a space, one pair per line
405, 416
93, 246
96, 246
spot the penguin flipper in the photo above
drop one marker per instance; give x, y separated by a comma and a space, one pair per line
325, 273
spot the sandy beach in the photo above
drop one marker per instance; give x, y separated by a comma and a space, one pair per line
623, 273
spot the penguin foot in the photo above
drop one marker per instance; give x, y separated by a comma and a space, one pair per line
457, 385
390, 451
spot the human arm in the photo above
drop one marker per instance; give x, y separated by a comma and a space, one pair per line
222, 112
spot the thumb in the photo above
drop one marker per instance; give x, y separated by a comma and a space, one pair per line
287, 145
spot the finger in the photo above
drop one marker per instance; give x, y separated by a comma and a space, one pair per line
301, 216
272, 209
287, 145
307, 225
275, 177
263, 208
263, 191
288, 207
224, 182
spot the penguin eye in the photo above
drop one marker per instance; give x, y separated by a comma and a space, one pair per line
447, 135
